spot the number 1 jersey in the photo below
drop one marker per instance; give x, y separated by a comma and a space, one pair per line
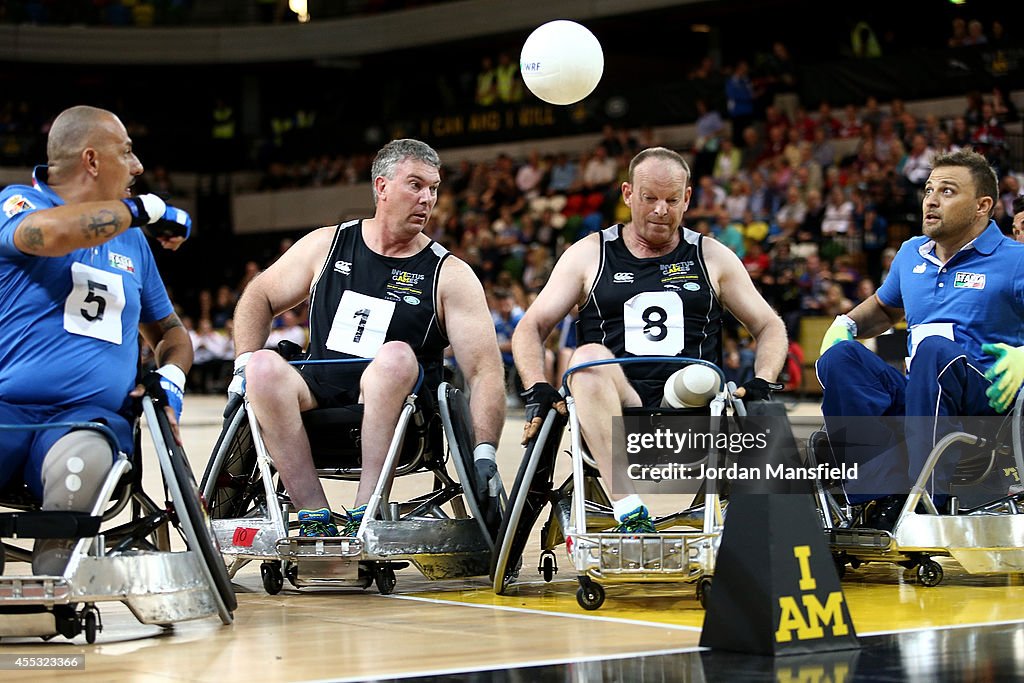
362, 300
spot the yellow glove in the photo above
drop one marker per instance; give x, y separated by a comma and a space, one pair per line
842, 329
1006, 375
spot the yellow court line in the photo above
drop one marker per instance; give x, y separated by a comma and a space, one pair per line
882, 598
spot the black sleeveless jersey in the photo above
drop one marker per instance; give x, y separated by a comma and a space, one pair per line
361, 300
661, 306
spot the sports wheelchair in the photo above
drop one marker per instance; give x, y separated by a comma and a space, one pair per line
581, 512
251, 510
982, 528
133, 562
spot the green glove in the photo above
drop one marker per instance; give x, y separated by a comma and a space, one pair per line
1006, 375
842, 329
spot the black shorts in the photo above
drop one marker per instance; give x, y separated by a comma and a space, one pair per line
338, 386
651, 391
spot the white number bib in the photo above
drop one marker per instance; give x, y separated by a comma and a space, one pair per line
654, 324
93, 309
360, 324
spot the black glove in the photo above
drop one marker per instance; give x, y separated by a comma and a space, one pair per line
152, 214
757, 389
539, 399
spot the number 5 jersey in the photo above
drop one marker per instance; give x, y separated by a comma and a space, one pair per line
69, 324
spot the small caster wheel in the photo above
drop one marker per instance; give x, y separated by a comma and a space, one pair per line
90, 624
840, 563
291, 572
384, 577
273, 579
929, 573
548, 566
704, 592
590, 596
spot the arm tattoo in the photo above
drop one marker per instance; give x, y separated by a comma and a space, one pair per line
32, 235
170, 322
100, 225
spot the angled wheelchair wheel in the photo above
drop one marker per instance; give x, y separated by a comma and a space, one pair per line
193, 519
229, 484
1018, 434
458, 431
530, 493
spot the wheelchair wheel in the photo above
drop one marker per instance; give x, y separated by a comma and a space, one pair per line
193, 519
548, 566
840, 563
384, 578
704, 591
529, 495
590, 595
459, 433
929, 573
273, 577
90, 623
228, 485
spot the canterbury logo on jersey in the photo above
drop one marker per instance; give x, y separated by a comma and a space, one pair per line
343, 267
920, 268
622, 277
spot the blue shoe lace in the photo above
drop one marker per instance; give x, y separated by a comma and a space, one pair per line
636, 522
316, 523
355, 518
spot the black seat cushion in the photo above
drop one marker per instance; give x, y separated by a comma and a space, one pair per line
335, 437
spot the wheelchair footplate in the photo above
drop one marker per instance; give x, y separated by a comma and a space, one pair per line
248, 538
439, 548
331, 561
980, 543
657, 557
158, 588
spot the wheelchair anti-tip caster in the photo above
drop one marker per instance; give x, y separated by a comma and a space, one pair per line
840, 563
384, 578
273, 577
704, 592
91, 623
929, 573
590, 595
548, 566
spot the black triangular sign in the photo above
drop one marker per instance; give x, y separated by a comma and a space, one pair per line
775, 590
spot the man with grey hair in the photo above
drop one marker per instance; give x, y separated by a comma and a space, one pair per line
77, 286
378, 289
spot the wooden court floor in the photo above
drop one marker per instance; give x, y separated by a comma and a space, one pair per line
448, 627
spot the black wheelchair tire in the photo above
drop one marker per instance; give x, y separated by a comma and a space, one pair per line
509, 547
197, 518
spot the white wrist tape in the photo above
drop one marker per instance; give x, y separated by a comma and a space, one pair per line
241, 361
155, 207
847, 322
174, 374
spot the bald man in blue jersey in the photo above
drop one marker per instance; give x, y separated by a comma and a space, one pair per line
960, 287
77, 286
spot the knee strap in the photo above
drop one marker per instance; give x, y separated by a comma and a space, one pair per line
74, 470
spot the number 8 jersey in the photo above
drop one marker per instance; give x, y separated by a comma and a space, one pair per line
362, 299
660, 306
